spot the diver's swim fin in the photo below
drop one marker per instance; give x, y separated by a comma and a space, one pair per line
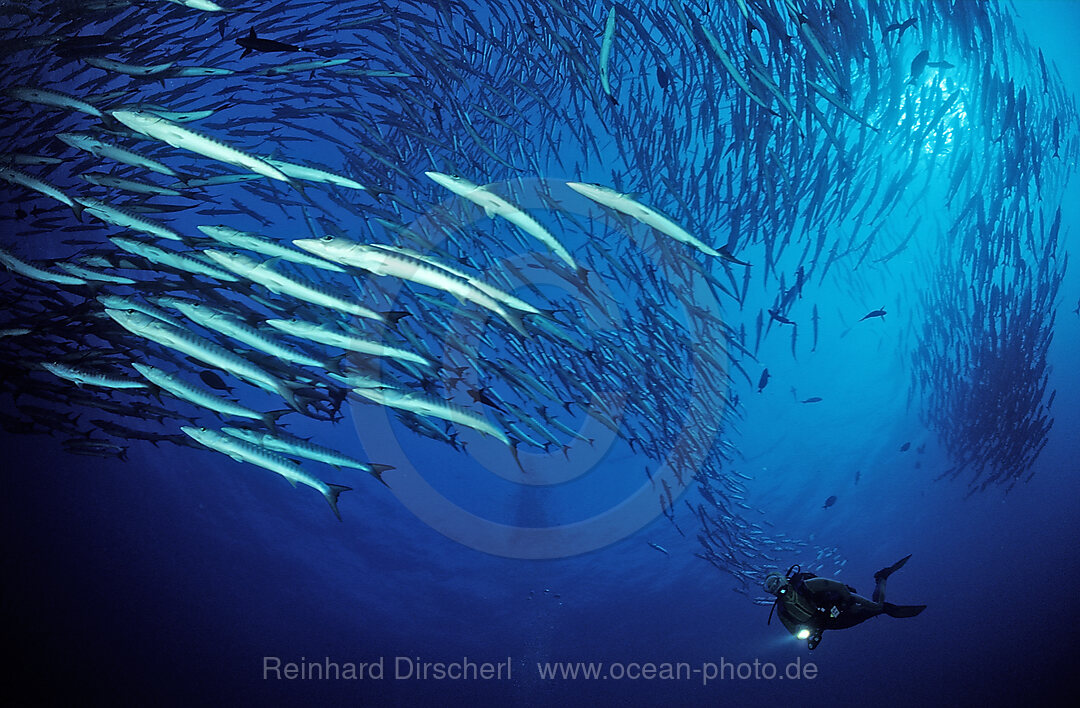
886, 572
902, 610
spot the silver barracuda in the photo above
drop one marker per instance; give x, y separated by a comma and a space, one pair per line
251, 242
204, 350
200, 396
171, 259
122, 217
332, 337
382, 262
494, 205
262, 272
178, 136
242, 451
94, 146
650, 217
231, 326
81, 377
297, 447
421, 405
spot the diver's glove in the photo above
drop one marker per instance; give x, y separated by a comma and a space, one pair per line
814, 640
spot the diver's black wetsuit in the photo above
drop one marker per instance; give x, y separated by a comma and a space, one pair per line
817, 604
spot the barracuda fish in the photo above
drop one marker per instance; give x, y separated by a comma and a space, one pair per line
172, 259
53, 99
16, 176
833, 99
92, 145
605, 55
251, 242
725, 60
80, 377
414, 403
325, 334
220, 179
183, 71
22, 158
297, 447
129, 69
204, 5
490, 290
650, 217
381, 262
494, 205
182, 116
231, 326
312, 174
204, 350
246, 452
118, 216
156, 127
119, 302
21, 267
93, 275
303, 66
355, 380
276, 282
202, 397
129, 185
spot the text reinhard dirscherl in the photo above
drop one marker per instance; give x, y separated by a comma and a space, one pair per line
400, 668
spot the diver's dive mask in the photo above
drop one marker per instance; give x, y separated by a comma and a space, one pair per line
776, 583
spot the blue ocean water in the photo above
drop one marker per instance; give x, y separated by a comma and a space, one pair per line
171, 577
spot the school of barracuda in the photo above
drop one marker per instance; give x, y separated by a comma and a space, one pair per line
502, 220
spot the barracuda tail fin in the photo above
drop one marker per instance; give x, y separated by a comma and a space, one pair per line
270, 418
288, 393
332, 495
377, 471
514, 320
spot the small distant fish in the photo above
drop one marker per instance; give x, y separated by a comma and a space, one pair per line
253, 43
763, 381
902, 26
858, 474
779, 317
813, 399
212, 380
605, 55
829, 502
873, 313
905, 447
918, 65
659, 548
480, 396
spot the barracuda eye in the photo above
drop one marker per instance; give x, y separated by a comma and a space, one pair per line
327, 238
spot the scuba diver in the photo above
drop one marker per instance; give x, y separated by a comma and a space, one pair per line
808, 605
